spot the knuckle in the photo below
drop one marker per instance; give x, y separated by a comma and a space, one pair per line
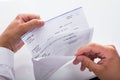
93, 45
113, 50
18, 16
113, 46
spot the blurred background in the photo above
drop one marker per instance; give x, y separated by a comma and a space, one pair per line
103, 15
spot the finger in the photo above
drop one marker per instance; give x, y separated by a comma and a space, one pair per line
91, 58
88, 63
93, 50
31, 25
87, 49
75, 62
82, 67
27, 17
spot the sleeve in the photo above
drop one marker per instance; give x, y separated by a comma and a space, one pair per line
6, 64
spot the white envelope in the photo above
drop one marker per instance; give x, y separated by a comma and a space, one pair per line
53, 45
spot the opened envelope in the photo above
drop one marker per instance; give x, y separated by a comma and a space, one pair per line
54, 45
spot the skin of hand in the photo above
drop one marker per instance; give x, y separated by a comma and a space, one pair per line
11, 37
108, 68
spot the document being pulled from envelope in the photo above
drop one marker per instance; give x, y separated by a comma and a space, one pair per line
54, 44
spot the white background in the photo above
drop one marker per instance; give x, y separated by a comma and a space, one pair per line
103, 15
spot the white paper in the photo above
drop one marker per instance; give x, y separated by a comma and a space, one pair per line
54, 44
44, 68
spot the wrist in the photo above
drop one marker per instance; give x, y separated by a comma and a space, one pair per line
4, 42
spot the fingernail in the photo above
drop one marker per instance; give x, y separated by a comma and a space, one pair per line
75, 61
41, 22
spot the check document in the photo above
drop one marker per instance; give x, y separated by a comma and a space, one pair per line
54, 44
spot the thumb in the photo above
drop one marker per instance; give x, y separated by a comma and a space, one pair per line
87, 62
31, 25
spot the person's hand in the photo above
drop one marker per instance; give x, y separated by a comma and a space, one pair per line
23, 23
108, 68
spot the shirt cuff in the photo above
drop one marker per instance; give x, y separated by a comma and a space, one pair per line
6, 57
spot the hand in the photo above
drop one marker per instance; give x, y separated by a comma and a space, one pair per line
108, 68
23, 23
